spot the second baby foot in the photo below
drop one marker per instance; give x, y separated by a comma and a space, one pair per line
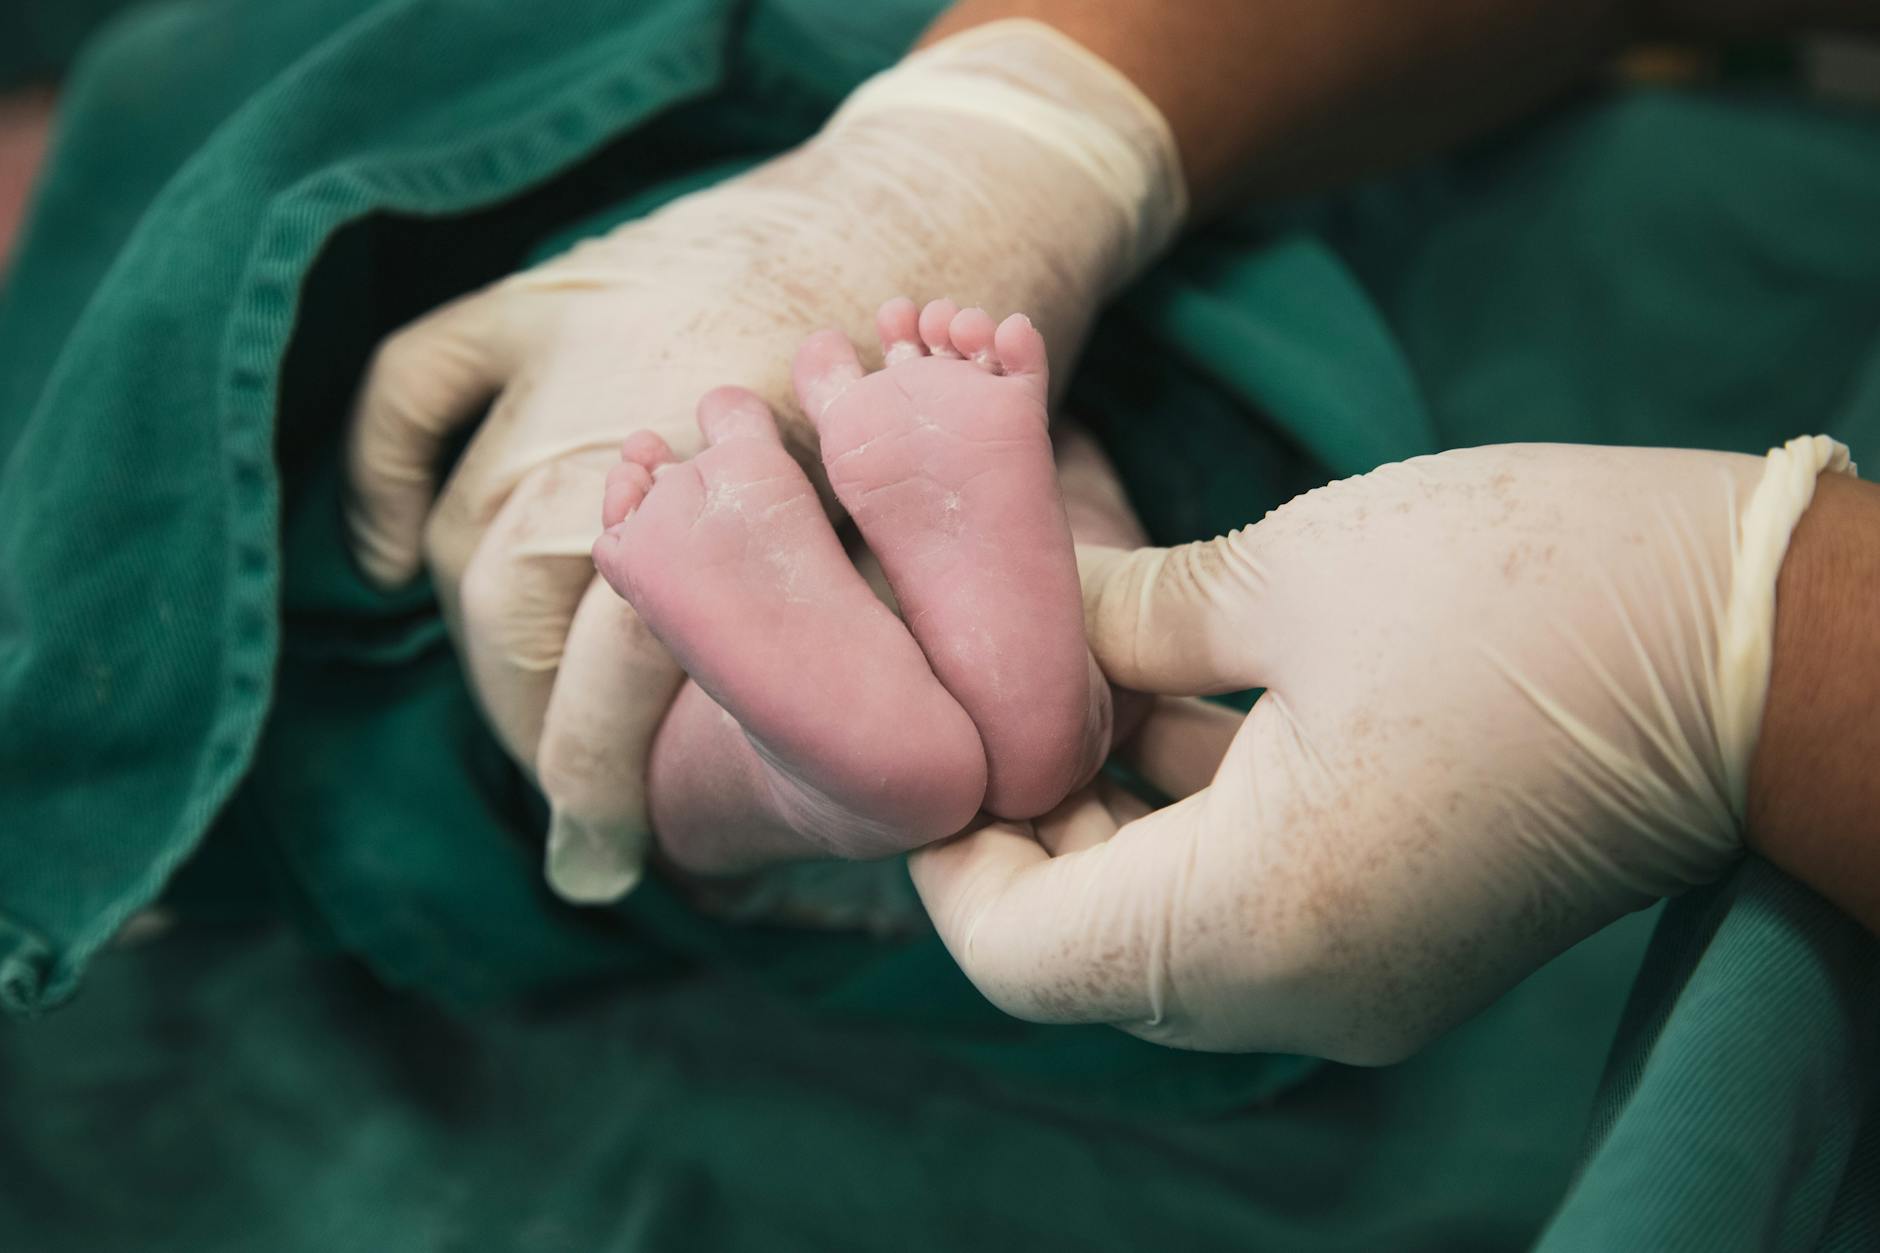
844, 742
944, 461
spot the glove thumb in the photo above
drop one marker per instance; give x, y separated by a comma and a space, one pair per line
1174, 621
425, 382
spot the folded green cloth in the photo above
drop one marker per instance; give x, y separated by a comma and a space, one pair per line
217, 1090
1737, 1112
246, 197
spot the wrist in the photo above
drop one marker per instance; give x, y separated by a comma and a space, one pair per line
1040, 123
1814, 792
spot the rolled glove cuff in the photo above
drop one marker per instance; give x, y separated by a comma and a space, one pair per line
1025, 77
1746, 633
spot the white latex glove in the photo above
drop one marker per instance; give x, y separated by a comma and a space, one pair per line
1005, 165
1512, 694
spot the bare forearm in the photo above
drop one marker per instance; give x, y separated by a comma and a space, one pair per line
1815, 785
1270, 96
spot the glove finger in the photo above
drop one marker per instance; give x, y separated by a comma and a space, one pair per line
424, 382
1089, 816
1124, 805
1094, 500
615, 684
1082, 820
1174, 621
1181, 743
1077, 938
511, 611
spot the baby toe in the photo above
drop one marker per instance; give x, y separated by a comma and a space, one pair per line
648, 450
1020, 350
824, 368
627, 485
936, 327
971, 331
735, 413
898, 325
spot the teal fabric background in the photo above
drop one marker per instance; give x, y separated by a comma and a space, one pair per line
245, 197
1737, 1111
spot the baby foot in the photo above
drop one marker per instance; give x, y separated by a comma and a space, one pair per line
841, 728
944, 461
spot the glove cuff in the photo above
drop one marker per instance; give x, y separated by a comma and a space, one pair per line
1023, 76
1746, 633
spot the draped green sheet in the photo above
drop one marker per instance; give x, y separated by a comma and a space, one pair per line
244, 197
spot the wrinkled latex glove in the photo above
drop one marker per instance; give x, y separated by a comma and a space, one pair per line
1005, 165
1511, 694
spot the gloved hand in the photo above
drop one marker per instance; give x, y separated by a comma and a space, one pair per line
1511, 694
1005, 165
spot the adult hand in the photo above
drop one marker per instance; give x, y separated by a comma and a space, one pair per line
1511, 694
1005, 164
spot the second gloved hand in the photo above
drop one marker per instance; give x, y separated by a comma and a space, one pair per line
1511, 694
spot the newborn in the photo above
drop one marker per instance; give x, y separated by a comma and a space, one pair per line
816, 722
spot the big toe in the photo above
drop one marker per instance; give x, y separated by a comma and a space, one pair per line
1020, 350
